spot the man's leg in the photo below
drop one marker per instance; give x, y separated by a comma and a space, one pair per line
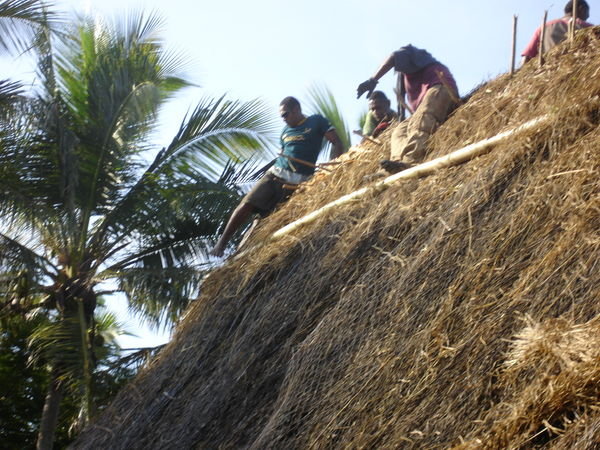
237, 219
430, 114
263, 198
398, 140
398, 143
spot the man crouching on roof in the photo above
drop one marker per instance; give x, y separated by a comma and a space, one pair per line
432, 95
301, 142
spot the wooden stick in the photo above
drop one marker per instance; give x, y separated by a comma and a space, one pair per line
573, 22
368, 138
400, 93
542, 38
301, 161
514, 45
405, 107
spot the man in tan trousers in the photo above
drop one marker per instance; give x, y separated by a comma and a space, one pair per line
431, 94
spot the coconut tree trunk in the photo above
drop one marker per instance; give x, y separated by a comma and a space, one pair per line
50, 413
87, 363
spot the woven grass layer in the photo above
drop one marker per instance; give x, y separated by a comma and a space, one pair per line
461, 310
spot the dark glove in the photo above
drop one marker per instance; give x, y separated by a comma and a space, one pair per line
366, 86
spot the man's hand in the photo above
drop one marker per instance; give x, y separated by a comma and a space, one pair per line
366, 86
338, 147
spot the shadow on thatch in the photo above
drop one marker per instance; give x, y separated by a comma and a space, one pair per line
459, 310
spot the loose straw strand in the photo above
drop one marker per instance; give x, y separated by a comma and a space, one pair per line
514, 45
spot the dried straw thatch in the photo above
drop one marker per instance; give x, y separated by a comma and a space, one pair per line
458, 310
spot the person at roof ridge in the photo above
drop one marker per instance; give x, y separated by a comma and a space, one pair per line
556, 30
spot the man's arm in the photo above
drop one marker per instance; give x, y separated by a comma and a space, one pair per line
369, 85
532, 48
384, 68
338, 147
370, 124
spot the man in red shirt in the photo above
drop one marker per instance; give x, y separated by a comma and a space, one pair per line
556, 30
431, 93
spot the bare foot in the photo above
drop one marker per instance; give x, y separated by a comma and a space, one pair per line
217, 251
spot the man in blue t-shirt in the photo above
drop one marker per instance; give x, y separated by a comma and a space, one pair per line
301, 142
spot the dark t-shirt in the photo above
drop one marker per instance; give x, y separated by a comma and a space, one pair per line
303, 142
421, 71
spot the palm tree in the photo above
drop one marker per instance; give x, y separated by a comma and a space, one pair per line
87, 204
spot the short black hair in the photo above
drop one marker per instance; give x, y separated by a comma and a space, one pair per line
580, 4
378, 95
290, 102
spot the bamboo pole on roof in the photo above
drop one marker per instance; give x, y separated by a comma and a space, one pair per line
542, 38
514, 45
456, 157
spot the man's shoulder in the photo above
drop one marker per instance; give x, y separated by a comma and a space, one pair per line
564, 20
318, 119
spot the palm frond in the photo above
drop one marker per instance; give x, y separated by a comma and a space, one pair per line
215, 134
19, 22
158, 294
113, 77
109, 327
321, 100
240, 175
59, 341
218, 131
17, 257
135, 358
10, 92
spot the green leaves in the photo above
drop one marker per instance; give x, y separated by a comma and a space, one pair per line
218, 131
87, 199
322, 102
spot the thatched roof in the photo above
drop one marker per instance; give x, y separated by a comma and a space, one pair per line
461, 309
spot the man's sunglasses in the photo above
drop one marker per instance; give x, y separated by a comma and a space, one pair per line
285, 114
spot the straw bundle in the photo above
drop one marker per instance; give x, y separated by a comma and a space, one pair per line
459, 310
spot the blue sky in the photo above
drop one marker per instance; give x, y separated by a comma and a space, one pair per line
274, 48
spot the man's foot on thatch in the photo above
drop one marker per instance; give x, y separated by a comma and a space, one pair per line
393, 167
217, 251
375, 176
